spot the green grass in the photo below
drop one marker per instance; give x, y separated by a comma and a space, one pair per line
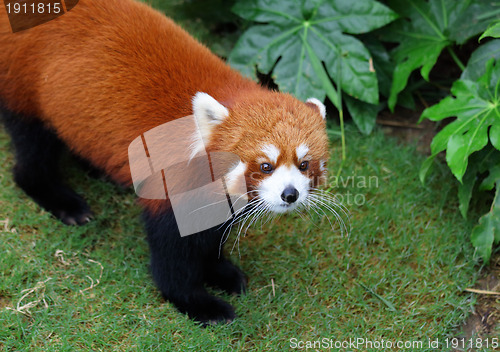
399, 275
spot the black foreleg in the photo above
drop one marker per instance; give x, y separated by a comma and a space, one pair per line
37, 171
181, 265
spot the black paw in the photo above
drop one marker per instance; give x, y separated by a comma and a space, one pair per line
60, 200
75, 217
206, 309
70, 208
226, 276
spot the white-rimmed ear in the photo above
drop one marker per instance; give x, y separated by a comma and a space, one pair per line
319, 105
208, 113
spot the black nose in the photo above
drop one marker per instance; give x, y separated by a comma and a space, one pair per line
290, 195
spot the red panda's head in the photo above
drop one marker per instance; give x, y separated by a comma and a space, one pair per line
281, 142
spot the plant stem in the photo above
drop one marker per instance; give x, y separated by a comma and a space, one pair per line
339, 171
341, 109
342, 132
456, 59
342, 137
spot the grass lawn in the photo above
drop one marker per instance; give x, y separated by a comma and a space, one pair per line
399, 275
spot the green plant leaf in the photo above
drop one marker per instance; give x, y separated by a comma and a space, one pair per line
476, 66
460, 146
495, 135
425, 168
363, 114
425, 29
493, 177
486, 160
465, 190
487, 232
492, 31
297, 35
320, 72
382, 63
474, 19
424, 55
268, 11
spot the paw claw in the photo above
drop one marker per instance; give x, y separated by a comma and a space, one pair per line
74, 219
69, 221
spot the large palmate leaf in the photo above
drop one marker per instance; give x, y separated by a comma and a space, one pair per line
477, 62
305, 43
487, 232
476, 106
484, 162
427, 27
492, 31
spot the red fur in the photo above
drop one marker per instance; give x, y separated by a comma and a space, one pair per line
109, 70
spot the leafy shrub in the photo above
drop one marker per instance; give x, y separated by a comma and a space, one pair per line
472, 140
308, 44
426, 28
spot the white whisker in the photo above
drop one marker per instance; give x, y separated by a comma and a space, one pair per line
317, 203
329, 202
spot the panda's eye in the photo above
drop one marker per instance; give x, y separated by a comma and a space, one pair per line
266, 168
304, 166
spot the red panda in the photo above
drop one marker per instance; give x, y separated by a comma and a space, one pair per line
107, 72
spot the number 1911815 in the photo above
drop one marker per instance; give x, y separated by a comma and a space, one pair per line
33, 8
473, 343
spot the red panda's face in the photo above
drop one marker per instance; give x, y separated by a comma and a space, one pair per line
281, 143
